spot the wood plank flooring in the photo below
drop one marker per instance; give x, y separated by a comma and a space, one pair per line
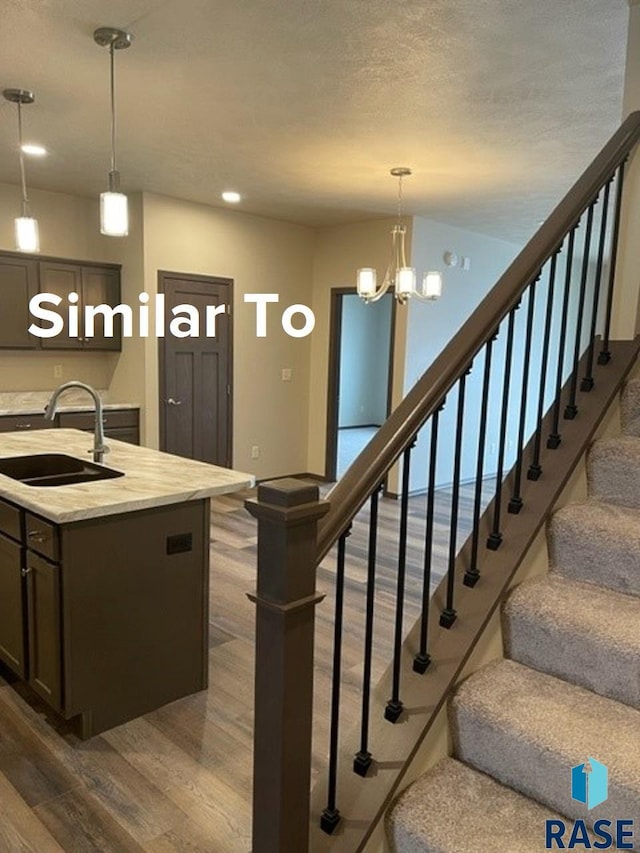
179, 779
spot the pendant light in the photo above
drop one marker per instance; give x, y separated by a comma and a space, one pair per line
26, 227
114, 206
398, 275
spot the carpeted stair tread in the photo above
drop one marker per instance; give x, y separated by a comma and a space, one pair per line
613, 470
598, 543
528, 729
455, 809
578, 632
630, 408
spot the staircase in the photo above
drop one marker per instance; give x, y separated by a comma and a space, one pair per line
567, 690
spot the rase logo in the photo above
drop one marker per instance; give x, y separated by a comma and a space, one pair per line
590, 785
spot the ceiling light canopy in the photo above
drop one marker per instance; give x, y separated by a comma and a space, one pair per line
398, 274
114, 206
26, 227
231, 196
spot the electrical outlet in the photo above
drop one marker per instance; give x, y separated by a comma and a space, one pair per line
255, 452
57, 371
286, 374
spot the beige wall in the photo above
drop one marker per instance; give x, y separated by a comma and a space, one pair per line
626, 306
260, 255
339, 252
68, 229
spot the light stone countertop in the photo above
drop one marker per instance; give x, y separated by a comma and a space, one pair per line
151, 478
73, 400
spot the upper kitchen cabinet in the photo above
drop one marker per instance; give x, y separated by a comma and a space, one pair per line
95, 286
18, 284
23, 276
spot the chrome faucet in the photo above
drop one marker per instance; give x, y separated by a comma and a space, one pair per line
99, 447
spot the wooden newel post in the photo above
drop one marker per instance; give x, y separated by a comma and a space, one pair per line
288, 512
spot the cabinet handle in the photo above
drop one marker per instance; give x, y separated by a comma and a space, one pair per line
24, 572
173, 402
23, 426
37, 536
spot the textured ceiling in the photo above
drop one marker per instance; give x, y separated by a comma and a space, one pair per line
304, 105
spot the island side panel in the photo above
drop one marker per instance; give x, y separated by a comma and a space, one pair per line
135, 591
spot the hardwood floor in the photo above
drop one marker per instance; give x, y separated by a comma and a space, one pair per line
179, 779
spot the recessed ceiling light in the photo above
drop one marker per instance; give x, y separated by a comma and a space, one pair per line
231, 196
34, 150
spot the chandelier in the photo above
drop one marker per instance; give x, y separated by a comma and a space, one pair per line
399, 275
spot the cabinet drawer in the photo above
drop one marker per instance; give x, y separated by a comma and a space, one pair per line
10, 520
112, 419
17, 423
128, 434
41, 536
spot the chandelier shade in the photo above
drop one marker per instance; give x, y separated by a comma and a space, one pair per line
399, 275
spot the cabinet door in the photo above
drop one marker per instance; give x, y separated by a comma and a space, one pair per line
61, 280
102, 287
12, 607
18, 284
44, 626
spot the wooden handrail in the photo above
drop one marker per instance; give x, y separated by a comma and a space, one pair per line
372, 465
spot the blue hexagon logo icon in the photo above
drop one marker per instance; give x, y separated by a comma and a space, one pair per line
590, 783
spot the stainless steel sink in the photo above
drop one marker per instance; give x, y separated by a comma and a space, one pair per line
54, 469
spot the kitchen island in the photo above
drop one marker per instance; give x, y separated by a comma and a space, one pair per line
104, 585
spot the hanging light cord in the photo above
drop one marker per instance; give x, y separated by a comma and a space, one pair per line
113, 109
399, 199
25, 198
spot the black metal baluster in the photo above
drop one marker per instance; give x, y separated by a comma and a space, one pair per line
535, 469
495, 537
472, 575
571, 409
423, 659
449, 615
587, 381
394, 705
555, 438
363, 758
515, 504
330, 817
605, 354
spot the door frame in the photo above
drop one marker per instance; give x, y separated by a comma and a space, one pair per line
333, 384
163, 276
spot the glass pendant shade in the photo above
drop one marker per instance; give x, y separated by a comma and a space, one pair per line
366, 281
405, 281
114, 214
432, 285
27, 234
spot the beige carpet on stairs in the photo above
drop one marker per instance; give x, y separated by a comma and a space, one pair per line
568, 689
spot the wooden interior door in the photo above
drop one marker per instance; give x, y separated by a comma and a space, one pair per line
196, 373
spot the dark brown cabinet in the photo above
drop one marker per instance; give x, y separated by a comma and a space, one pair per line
106, 618
43, 623
18, 284
94, 286
12, 606
30, 637
24, 276
123, 424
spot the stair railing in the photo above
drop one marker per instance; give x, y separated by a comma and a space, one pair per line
528, 342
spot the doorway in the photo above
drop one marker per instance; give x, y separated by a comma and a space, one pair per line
360, 367
196, 373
